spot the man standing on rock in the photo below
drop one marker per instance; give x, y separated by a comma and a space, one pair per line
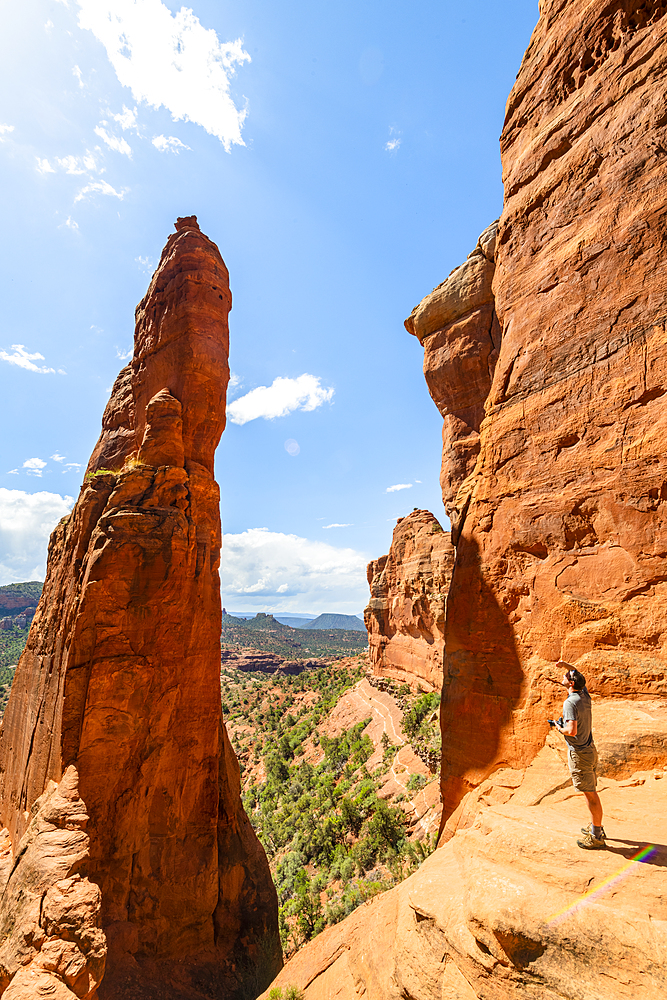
582, 756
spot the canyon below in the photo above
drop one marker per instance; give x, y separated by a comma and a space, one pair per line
396, 821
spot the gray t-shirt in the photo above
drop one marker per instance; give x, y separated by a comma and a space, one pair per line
577, 707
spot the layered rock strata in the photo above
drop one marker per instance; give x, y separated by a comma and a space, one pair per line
405, 617
120, 677
560, 522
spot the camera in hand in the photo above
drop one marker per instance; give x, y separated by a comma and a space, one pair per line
552, 722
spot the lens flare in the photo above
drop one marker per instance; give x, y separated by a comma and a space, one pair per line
597, 890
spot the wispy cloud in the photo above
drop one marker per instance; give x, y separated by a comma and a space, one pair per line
283, 396
100, 187
394, 140
34, 466
170, 60
146, 264
325, 526
4, 130
44, 167
58, 458
124, 355
77, 73
398, 486
70, 223
23, 359
169, 143
127, 118
77, 164
118, 144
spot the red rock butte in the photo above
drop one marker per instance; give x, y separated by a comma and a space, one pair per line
119, 685
546, 354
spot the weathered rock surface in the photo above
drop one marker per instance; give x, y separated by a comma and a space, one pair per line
560, 519
49, 915
405, 617
458, 327
120, 676
507, 909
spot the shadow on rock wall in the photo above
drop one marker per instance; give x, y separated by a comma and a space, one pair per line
482, 679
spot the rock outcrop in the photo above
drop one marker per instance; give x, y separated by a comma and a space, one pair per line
458, 328
560, 520
405, 617
554, 476
120, 679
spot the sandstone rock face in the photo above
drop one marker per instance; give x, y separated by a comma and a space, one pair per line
510, 908
405, 617
560, 519
49, 915
120, 676
458, 327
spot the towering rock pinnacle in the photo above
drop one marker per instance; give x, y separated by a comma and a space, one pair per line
120, 680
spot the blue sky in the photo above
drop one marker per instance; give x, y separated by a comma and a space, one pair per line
343, 156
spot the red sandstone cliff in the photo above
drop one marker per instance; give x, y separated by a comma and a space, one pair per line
554, 475
120, 679
405, 617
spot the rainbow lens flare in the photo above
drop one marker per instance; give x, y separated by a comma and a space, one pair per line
597, 890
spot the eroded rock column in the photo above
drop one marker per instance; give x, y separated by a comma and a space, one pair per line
121, 675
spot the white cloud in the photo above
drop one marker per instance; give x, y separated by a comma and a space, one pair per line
77, 73
292, 447
4, 129
77, 164
34, 466
393, 143
69, 223
264, 567
48, 25
21, 358
58, 458
103, 188
169, 143
124, 355
280, 398
26, 521
170, 60
13, 472
119, 145
146, 264
44, 167
127, 118
398, 486
325, 526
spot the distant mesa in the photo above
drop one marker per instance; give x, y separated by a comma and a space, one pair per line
348, 622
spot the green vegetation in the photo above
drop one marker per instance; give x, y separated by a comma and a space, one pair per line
12, 644
289, 993
265, 633
331, 842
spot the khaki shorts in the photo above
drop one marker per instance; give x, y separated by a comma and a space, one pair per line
583, 766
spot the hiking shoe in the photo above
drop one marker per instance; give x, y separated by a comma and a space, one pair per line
591, 843
588, 829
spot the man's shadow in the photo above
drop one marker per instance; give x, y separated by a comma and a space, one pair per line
658, 857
